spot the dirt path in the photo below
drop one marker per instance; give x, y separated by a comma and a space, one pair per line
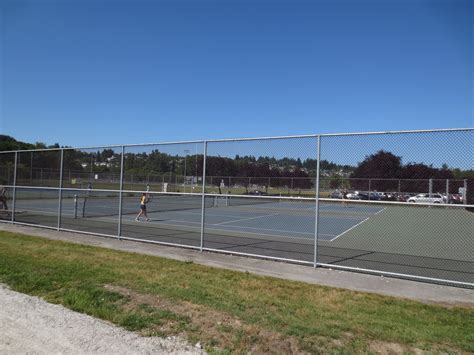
31, 325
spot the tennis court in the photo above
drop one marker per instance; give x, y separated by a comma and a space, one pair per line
266, 218
382, 237
259, 198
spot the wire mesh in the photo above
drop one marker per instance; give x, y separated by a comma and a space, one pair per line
433, 241
73, 210
170, 176
7, 176
101, 204
92, 168
7, 168
397, 204
38, 168
265, 205
37, 206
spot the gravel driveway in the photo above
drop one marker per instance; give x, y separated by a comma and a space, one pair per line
31, 325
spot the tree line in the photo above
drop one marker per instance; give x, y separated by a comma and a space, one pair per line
380, 167
384, 167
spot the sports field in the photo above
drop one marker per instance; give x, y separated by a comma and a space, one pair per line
409, 239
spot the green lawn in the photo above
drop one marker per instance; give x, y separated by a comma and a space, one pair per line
225, 310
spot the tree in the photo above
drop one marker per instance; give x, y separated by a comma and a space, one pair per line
381, 165
9, 143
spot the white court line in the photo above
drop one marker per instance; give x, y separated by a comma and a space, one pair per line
246, 219
358, 224
232, 216
383, 209
243, 227
253, 233
198, 213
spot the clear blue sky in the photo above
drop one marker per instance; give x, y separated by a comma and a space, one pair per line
88, 72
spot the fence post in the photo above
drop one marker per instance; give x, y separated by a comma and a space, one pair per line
14, 187
60, 202
119, 227
203, 193
31, 169
464, 195
447, 190
316, 221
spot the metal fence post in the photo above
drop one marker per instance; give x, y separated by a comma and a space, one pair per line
203, 203
316, 221
14, 187
447, 190
60, 202
119, 227
464, 195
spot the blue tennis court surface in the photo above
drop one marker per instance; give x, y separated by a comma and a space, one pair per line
279, 219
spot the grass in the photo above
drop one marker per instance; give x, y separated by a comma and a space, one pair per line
224, 310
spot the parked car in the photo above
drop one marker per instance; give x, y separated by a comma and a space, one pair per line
426, 198
257, 193
389, 196
403, 197
336, 194
455, 198
372, 196
353, 195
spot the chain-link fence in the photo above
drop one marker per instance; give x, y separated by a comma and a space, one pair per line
392, 203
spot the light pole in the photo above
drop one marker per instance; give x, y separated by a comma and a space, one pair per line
90, 176
186, 151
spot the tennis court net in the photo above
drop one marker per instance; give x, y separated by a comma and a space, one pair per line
222, 200
103, 206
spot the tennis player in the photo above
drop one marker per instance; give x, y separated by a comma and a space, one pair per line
143, 202
3, 197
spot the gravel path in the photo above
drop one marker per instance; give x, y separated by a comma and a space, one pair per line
31, 325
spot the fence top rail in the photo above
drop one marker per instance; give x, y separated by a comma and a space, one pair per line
437, 130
